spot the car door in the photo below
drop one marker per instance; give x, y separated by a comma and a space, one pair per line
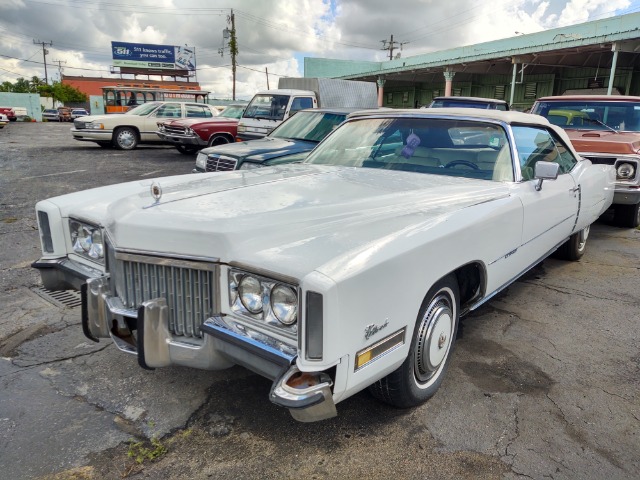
550, 213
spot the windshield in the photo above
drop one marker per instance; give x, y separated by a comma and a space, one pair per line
467, 104
269, 107
144, 109
591, 114
309, 126
232, 111
437, 146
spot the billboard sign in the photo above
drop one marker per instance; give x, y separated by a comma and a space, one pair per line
142, 55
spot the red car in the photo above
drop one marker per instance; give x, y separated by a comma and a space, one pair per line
191, 134
9, 112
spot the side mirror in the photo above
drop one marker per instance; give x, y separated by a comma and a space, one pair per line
545, 171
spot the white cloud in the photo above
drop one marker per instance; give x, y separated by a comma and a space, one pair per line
274, 34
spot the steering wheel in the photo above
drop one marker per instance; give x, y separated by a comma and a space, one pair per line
466, 163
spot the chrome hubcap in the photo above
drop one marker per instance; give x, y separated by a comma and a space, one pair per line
584, 234
434, 338
126, 139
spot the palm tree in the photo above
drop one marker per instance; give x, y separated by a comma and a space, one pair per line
35, 83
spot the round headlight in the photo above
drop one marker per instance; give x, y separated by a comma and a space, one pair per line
625, 170
80, 237
97, 249
284, 304
250, 291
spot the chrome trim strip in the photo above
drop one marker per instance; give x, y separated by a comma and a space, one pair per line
513, 279
511, 252
164, 261
149, 255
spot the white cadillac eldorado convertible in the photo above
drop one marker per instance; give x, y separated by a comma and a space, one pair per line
347, 271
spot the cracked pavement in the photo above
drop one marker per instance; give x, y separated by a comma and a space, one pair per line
544, 381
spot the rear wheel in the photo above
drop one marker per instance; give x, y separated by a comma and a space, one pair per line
627, 216
574, 248
217, 140
186, 150
126, 138
422, 372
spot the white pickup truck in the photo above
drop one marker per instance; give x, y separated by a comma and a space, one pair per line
269, 108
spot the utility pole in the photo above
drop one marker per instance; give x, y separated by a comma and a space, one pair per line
59, 62
233, 47
44, 55
392, 46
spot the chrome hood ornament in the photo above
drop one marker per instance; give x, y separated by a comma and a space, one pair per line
156, 191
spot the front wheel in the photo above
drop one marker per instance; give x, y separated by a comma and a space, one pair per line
217, 140
126, 138
574, 248
186, 150
422, 372
627, 216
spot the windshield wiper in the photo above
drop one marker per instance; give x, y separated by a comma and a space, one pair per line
600, 122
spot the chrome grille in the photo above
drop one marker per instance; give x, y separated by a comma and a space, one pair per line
188, 287
220, 163
174, 130
79, 124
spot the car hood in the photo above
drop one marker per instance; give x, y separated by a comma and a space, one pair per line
599, 141
262, 149
291, 219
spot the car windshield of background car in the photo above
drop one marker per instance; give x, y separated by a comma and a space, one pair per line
459, 104
591, 115
309, 126
144, 109
437, 146
269, 107
232, 112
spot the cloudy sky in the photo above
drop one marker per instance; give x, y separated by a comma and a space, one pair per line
272, 34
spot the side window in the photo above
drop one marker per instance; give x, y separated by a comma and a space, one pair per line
300, 103
538, 144
197, 111
169, 110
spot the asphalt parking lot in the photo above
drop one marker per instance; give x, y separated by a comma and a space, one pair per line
545, 379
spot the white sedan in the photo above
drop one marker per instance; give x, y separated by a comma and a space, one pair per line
126, 130
347, 271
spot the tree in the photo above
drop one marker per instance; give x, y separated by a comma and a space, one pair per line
67, 93
22, 85
35, 83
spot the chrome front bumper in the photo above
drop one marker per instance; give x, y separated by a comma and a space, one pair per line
92, 135
145, 332
625, 195
181, 139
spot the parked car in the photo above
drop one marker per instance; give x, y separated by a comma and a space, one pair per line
4, 120
347, 271
290, 141
65, 114
138, 125
606, 130
191, 134
9, 112
51, 115
78, 112
469, 102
